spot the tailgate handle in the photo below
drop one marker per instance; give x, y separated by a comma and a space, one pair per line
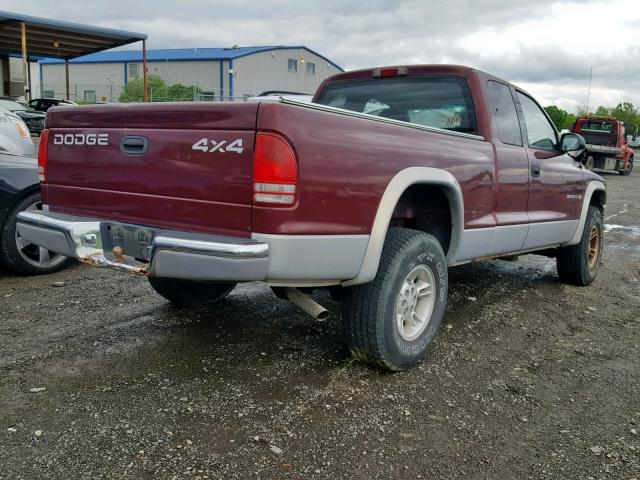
134, 145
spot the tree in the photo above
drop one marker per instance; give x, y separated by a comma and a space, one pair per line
582, 111
134, 90
569, 121
625, 112
560, 118
602, 111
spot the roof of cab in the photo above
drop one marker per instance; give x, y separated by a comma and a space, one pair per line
421, 69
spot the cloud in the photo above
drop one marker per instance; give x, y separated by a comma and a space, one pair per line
547, 46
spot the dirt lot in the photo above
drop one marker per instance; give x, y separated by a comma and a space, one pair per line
529, 378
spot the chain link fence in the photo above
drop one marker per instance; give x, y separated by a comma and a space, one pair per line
111, 93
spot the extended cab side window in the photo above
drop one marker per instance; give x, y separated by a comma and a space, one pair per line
504, 113
433, 101
540, 132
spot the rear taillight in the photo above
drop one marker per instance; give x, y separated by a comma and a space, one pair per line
275, 170
42, 155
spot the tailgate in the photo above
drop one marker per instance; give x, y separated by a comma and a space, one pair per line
183, 166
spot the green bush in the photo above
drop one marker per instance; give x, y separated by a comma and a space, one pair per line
134, 90
181, 92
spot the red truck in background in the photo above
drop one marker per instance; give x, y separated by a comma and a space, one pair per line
390, 176
607, 147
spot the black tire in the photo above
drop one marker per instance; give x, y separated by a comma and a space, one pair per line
190, 293
26, 260
370, 324
627, 171
589, 164
579, 264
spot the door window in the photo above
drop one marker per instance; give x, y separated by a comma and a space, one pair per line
504, 113
540, 132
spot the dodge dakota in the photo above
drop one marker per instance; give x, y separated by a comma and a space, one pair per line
390, 176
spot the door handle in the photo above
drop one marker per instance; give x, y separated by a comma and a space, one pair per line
535, 171
131, 145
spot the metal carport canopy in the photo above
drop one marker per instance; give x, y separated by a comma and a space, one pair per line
42, 37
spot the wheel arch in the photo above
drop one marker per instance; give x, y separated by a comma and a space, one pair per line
595, 194
397, 187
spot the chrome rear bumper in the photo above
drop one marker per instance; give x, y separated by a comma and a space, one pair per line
167, 253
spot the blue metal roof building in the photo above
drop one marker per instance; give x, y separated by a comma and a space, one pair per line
182, 54
221, 73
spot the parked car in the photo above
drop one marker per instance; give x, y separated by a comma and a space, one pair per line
633, 141
33, 118
44, 104
20, 191
450, 165
607, 147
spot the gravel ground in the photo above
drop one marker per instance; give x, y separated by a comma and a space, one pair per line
529, 378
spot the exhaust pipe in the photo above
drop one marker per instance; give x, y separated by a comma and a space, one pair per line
308, 305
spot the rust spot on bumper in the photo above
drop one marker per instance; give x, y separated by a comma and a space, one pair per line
101, 262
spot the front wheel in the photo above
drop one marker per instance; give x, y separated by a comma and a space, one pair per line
579, 264
190, 293
391, 321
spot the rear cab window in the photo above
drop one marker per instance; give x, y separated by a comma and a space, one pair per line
442, 102
598, 132
597, 127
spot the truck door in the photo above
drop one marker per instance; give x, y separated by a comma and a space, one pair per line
512, 168
555, 180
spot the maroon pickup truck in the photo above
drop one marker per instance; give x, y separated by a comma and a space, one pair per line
389, 177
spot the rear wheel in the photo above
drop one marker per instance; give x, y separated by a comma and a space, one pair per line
579, 264
391, 321
190, 293
628, 168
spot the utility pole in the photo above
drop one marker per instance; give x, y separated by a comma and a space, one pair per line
589, 90
25, 63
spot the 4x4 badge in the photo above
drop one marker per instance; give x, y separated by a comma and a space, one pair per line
211, 145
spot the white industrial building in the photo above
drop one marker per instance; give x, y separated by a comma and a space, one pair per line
216, 73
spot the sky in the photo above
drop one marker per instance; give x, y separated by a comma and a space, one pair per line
546, 47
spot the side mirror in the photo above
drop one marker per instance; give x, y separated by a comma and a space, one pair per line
573, 144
